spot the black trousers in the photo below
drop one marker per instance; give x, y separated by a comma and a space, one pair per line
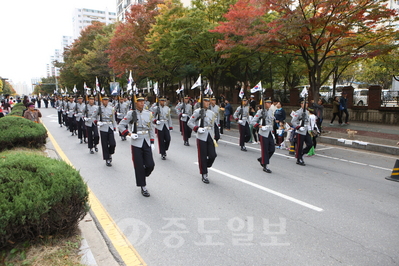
163, 140
245, 133
143, 163
299, 150
65, 119
267, 148
59, 117
206, 154
342, 112
186, 130
221, 122
81, 129
72, 124
92, 136
216, 131
108, 143
334, 116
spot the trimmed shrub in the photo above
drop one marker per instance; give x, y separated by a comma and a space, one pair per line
18, 109
39, 196
21, 132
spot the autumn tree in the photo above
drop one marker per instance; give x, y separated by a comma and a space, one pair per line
319, 31
86, 59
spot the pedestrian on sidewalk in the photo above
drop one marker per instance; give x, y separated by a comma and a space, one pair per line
344, 107
336, 111
280, 116
142, 142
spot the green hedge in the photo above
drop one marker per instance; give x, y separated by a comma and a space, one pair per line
39, 196
21, 132
17, 109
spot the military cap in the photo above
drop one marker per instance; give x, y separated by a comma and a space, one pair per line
140, 97
162, 98
206, 97
105, 97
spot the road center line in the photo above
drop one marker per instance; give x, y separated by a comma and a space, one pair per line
281, 195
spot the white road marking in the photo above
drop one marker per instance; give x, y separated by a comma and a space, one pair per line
323, 149
281, 195
319, 155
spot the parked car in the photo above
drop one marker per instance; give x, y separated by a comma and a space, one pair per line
360, 97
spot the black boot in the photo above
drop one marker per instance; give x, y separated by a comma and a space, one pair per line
145, 192
205, 178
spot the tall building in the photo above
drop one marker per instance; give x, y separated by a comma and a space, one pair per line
51, 69
66, 41
123, 6
82, 17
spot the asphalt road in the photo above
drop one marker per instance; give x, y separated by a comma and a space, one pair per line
337, 210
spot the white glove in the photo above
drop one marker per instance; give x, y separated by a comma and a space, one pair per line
152, 147
118, 114
240, 122
99, 123
201, 130
301, 129
84, 118
184, 115
134, 136
264, 128
158, 122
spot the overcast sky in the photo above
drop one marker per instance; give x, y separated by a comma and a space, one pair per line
32, 29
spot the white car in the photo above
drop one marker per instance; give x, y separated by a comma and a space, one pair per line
360, 97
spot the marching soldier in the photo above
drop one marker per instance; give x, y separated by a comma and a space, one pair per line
202, 122
107, 124
215, 108
163, 123
241, 115
184, 110
300, 122
264, 120
58, 106
139, 123
64, 107
90, 116
71, 106
121, 109
79, 119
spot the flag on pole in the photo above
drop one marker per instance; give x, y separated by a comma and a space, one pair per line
103, 91
115, 90
74, 89
304, 92
241, 93
197, 83
62, 91
130, 82
258, 87
135, 89
97, 85
180, 90
208, 89
156, 88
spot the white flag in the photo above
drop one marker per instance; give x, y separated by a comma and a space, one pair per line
156, 88
241, 94
135, 89
115, 91
258, 87
62, 91
208, 89
97, 85
129, 82
197, 83
181, 89
103, 91
304, 92
74, 89
85, 86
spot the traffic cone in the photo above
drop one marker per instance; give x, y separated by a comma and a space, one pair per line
292, 149
395, 173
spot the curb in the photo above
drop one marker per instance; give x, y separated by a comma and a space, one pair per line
360, 145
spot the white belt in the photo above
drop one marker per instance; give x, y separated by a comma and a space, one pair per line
142, 132
106, 122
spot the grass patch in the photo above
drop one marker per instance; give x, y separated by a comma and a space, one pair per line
49, 251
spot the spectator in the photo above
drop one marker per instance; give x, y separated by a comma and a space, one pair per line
6, 106
227, 113
343, 107
32, 114
252, 102
1, 112
279, 115
25, 101
221, 116
335, 111
318, 111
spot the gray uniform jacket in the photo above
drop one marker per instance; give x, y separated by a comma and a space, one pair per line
209, 122
71, 109
164, 116
91, 114
215, 109
121, 110
185, 112
265, 118
245, 114
144, 124
297, 121
81, 109
108, 118
58, 105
